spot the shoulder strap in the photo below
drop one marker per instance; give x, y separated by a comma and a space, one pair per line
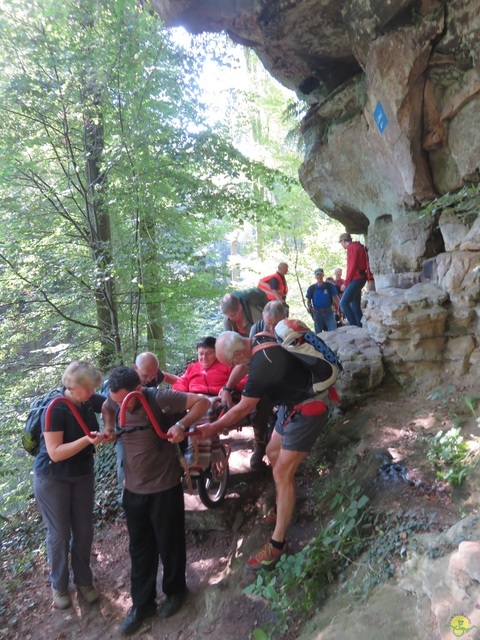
151, 394
269, 341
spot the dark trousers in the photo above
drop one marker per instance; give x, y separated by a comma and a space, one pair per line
156, 529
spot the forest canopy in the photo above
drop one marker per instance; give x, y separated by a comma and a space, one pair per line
128, 204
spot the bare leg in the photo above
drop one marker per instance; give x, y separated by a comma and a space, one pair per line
284, 468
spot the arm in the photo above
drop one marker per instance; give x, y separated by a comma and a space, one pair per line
183, 382
233, 416
197, 407
238, 372
58, 450
170, 378
309, 297
109, 416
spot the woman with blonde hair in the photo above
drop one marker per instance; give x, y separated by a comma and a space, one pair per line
64, 483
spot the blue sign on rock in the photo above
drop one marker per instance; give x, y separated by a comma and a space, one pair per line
380, 117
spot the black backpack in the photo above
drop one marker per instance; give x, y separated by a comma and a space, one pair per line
33, 424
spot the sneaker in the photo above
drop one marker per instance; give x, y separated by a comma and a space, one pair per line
269, 519
267, 558
61, 599
256, 460
90, 594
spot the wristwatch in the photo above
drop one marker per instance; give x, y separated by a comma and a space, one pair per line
227, 389
181, 425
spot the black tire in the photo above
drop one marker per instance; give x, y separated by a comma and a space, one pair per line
212, 483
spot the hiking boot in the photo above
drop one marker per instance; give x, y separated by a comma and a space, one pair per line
256, 460
90, 594
61, 599
267, 558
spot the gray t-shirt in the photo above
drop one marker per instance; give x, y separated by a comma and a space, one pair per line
151, 463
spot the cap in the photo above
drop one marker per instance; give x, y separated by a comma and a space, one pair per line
317, 271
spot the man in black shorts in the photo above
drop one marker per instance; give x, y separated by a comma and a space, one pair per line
284, 380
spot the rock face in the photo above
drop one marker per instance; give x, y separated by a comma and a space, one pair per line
394, 94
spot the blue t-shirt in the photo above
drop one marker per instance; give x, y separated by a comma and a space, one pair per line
321, 296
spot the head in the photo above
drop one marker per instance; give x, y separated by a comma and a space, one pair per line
282, 268
146, 365
345, 239
232, 349
121, 382
319, 275
272, 313
206, 351
80, 379
230, 306
338, 273
329, 279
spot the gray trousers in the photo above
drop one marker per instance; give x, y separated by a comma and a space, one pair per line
66, 506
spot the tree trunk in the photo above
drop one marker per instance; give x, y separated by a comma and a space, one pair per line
98, 220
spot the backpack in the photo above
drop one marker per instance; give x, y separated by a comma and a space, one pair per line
295, 337
250, 300
33, 424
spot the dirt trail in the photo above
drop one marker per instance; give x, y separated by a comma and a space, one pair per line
216, 608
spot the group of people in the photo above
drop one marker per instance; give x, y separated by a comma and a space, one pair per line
250, 380
328, 300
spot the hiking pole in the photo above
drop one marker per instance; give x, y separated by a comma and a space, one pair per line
150, 415
73, 409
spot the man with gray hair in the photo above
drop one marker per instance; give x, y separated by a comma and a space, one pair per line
283, 379
242, 309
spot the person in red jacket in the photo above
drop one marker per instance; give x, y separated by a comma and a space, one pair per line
208, 375
357, 266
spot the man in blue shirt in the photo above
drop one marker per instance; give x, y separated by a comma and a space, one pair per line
321, 296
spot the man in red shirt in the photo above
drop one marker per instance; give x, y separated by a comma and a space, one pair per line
357, 266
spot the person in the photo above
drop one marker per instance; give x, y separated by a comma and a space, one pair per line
147, 367
280, 376
321, 296
153, 496
63, 483
208, 375
272, 313
150, 374
338, 280
357, 266
263, 415
275, 286
242, 309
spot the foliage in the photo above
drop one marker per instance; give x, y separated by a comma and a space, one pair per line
464, 203
115, 192
451, 456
